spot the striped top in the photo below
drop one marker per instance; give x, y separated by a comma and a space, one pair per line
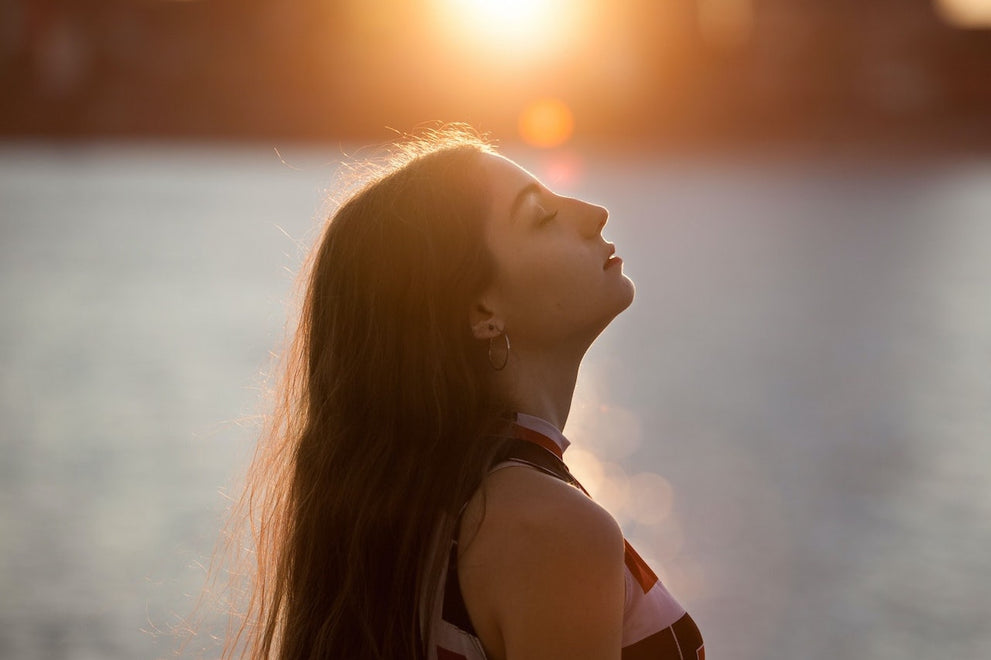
655, 625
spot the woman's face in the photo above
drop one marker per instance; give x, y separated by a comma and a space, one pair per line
557, 282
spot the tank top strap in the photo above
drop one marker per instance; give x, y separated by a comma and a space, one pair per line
517, 452
527, 452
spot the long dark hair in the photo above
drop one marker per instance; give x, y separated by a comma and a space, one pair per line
384, 418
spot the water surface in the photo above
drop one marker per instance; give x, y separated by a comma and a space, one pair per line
792, 421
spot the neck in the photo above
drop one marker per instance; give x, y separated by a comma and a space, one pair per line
540, 384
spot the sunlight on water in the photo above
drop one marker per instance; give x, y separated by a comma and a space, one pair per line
605, 429
643, 502
790, 423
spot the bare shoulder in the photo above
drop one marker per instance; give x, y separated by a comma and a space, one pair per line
541, 569
522, 499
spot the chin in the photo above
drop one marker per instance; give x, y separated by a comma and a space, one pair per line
623, 301
631, 293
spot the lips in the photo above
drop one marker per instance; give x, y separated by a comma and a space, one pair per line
611, 260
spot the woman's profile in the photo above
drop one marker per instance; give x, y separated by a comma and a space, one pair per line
410, 498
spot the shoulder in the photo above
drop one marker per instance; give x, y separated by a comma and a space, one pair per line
539, 508
538, 555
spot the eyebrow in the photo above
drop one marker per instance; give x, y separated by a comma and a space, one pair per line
529, 189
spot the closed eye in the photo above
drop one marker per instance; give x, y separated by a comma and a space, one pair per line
544, 219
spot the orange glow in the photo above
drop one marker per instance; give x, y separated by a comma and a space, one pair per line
965, 13
513, 32
517, 19
587, 468
546, 123
726, 24
561, 170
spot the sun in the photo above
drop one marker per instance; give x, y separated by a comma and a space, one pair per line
505, 18
965, 13
511, 29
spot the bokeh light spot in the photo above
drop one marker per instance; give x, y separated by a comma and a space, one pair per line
587, 468
651, 498
562, 170
546, 123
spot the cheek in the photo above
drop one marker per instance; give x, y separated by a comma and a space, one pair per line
549, 287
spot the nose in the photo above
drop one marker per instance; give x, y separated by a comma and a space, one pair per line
593, 218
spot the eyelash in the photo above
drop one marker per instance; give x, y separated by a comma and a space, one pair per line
547, 218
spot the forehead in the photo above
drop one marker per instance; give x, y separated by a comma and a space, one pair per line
506, 178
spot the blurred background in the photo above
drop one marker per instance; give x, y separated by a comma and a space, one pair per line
636, 72
791, 423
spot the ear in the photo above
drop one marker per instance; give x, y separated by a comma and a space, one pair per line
484, 323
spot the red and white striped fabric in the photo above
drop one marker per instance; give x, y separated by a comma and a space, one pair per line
655, 625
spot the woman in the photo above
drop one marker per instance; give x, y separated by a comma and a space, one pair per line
410, 499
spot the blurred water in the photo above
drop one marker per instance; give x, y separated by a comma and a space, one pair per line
801, 388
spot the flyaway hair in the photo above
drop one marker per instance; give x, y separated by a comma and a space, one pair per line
383, 421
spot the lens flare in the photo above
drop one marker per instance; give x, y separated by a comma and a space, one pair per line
546, 123
561, 169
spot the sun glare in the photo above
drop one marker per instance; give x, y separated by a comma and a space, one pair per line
512, 29
519, 18
965, 13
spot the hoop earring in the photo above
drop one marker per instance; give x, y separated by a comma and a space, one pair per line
505, 360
